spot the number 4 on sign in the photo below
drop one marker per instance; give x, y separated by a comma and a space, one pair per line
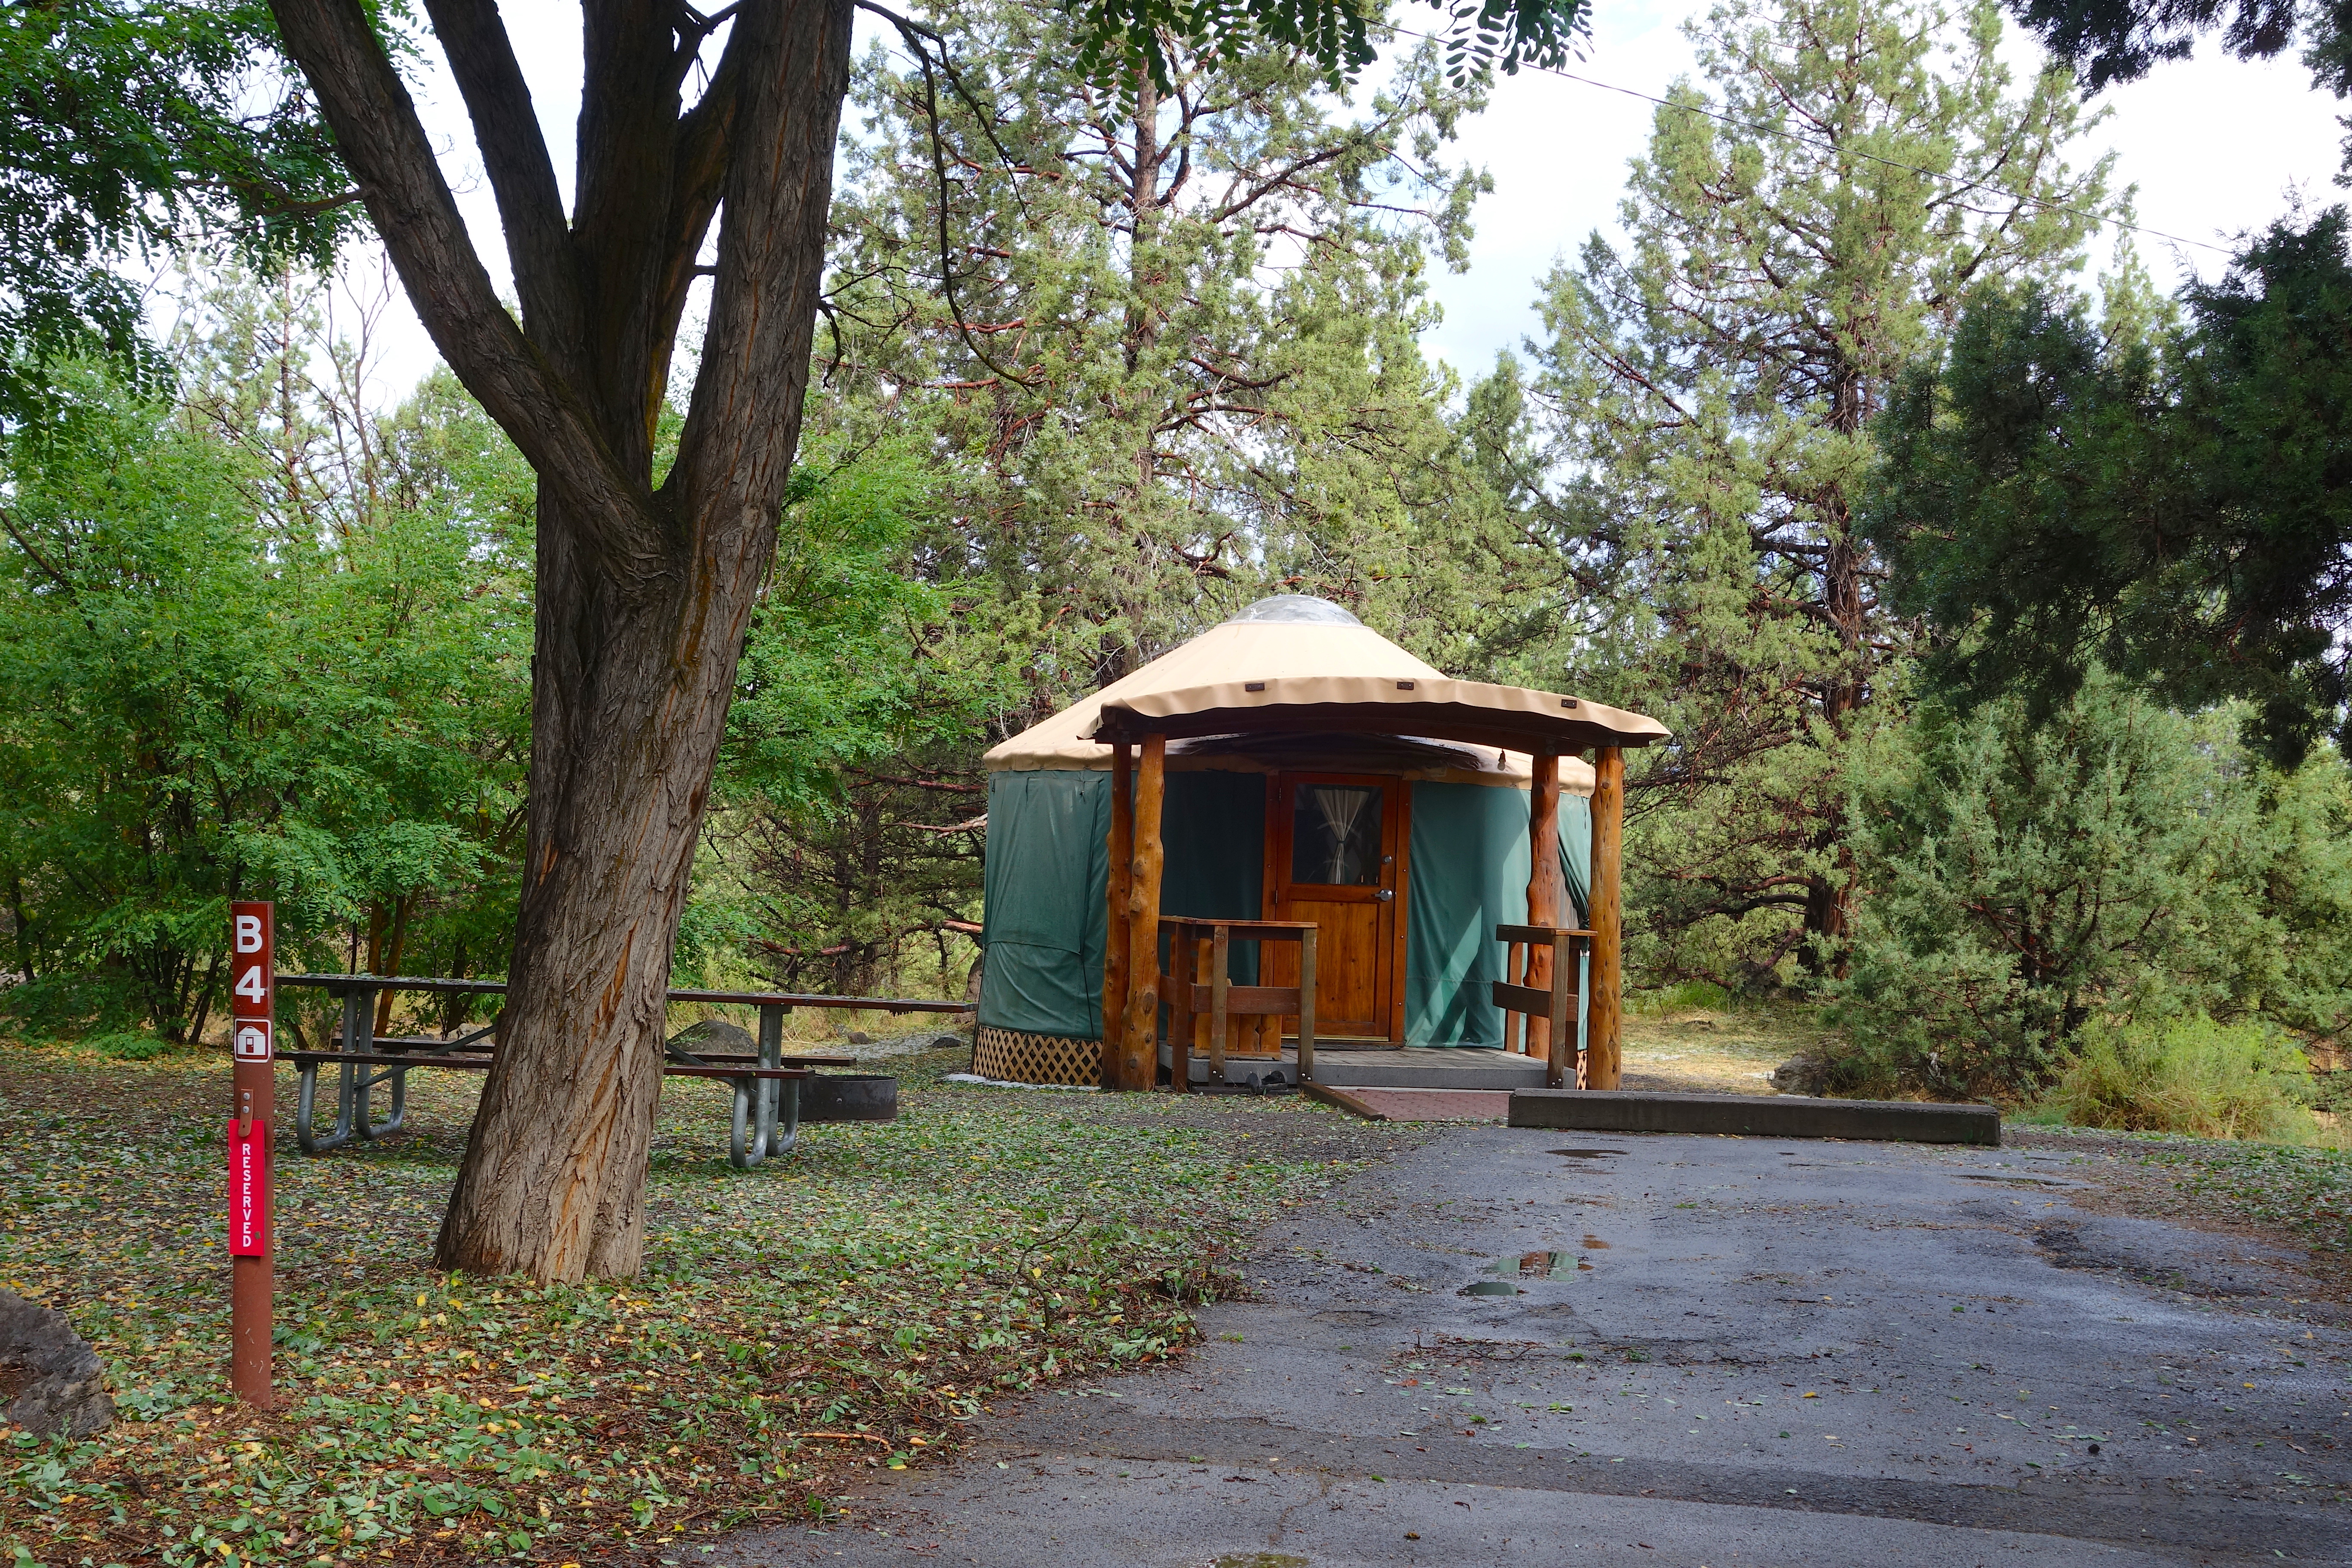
253, 985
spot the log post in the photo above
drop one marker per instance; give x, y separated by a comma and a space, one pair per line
1604, 1014
1305, 1004
1121, 849
1544, 887
1139, 1065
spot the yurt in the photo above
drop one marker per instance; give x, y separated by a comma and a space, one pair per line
1302, 768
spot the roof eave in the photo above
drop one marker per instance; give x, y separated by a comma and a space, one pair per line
1536, 734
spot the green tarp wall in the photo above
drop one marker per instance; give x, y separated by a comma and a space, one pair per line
1046, 879
1044, 885
1469, 874
1213, 830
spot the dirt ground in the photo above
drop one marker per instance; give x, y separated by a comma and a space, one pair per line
1702, 1051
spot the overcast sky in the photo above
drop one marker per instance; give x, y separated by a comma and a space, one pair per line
2213, 147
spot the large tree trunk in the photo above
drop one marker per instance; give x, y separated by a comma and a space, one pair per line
645, 594
628, 701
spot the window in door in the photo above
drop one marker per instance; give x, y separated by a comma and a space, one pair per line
1335, 836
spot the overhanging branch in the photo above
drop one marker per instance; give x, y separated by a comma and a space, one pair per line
383, 144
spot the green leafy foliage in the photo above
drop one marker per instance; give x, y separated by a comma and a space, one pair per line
130, 129
2122, 41
844, 665
856, 676
2191, 1076
1172, 361
1335, 36
2172, 506
2030, 880
1792, 242
1166, 365
236, 667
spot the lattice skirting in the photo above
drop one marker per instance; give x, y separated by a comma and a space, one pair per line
1015, 1057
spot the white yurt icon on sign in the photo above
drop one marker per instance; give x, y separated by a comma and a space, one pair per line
251, 1040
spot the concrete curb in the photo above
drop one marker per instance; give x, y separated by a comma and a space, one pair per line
1755, 1116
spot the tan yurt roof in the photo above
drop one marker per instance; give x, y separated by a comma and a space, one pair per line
1296, 652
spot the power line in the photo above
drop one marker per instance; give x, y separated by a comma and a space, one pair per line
1761, 129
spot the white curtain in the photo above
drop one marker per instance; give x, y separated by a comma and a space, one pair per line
1340, 807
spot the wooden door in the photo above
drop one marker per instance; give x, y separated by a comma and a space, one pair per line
1335, 855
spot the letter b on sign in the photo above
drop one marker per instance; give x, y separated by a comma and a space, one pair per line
252, 954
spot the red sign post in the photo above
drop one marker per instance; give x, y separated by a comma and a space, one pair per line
252, 967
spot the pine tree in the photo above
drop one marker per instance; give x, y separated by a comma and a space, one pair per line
1167, 344
1802, 225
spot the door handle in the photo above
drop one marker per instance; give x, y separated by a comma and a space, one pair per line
1385, 894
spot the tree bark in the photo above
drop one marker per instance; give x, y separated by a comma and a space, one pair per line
644, 594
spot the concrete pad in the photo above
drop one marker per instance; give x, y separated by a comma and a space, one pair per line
1410, 1066
1755, 1116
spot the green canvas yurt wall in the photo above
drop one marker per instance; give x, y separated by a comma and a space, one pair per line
1467, 873
1043, 885
1046, 879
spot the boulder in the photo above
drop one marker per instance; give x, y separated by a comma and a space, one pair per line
715, 1036
1804, 1073
51, 1380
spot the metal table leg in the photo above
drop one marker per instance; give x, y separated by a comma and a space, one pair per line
753, 1132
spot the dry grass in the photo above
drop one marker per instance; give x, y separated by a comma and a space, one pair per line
1707, 1051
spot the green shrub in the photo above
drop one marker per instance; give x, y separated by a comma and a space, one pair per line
1690, 996
127, 1047
2194, 1076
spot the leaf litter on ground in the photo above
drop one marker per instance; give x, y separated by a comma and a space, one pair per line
850, 1305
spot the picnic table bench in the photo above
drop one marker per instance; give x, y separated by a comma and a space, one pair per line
766, 1114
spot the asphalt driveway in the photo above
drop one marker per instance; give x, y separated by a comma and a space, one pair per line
1514, 1346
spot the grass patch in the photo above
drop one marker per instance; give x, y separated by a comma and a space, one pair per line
2194, 1076
2304, 1191
848, 1306
2307, 1190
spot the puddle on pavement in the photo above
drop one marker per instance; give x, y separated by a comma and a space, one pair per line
1587, 1154
1531, 1265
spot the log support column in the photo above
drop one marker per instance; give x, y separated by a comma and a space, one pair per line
1121, 860
1605, 1013
1546, 888
1139, 1060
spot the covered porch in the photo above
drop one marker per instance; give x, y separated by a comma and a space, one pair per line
1342, 830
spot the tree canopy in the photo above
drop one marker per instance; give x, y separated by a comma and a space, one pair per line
130, 130
2174, 504
1713, 386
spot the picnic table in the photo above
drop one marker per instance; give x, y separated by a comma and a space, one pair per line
766, 1110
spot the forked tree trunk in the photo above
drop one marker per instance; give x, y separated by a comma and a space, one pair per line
644, 594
